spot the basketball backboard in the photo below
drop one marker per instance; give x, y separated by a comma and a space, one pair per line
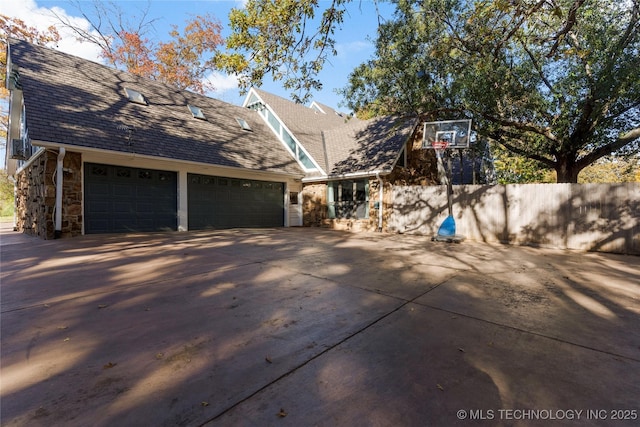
456, 133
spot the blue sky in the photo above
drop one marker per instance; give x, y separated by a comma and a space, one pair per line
353, 39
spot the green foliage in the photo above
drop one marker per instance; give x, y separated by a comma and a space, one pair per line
283, 39
512, 169
611, 170
7, 204
554, 82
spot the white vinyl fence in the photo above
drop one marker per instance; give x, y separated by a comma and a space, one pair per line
594, 217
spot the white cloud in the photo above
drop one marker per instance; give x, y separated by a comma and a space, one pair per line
222, 82
42, 18
345, 50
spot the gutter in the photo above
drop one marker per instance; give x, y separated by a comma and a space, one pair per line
59, 183
352, 175
133, 156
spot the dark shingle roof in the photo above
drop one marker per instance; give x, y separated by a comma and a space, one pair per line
77, 102
342, 144
365, 146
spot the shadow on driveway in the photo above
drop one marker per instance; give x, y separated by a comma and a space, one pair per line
313, 327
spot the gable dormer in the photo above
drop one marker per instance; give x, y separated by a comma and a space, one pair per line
284, 134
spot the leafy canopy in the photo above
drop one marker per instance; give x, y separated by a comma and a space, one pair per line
554, 81
183, 61
283, 38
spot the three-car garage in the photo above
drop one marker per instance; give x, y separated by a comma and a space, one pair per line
126, 199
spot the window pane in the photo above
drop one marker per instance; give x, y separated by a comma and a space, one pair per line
306, 161
288, 139
253, 98
273, 121
346, 205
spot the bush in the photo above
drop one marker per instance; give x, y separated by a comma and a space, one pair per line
7, 202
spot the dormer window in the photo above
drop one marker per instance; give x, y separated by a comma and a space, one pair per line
135, 96
243, 124
197, 112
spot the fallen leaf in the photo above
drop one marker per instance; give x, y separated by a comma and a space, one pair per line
67, 339
205, 403
109, 365
268, 359
282, 413
461, 349
159, 356
440, 387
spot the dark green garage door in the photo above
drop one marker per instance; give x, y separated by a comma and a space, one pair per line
218, 202
121, 199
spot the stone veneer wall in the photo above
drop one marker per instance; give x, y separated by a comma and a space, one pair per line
314, 209
36, 196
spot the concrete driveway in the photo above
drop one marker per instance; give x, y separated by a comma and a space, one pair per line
300, 327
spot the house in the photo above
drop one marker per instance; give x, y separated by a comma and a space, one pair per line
97, 150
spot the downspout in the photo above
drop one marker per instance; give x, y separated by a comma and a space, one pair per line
59, 182
380, 199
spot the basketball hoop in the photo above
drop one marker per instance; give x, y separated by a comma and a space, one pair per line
440, 145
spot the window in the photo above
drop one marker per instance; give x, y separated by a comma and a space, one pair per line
288, 139
293, 197
135, 96
348, 199
243, 124
196, 112
273, 121
253, 103
305, 160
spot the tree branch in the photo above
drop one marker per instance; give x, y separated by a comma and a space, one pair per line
623, 140
571, 21
522, 152
523, 126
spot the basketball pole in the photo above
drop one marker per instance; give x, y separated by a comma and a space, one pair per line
449, 184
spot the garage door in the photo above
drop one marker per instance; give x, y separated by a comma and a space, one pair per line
121, 199
219, 202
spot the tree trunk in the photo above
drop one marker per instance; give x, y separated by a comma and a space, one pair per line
567, 171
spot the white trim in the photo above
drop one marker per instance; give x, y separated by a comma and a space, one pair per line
30, 160
59, 187
352, 175
279, 134
123, 156
183, 201
315, 106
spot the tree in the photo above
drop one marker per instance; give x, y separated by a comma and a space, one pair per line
280, 38
182, 62
7, 203
554, 81
611, 170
